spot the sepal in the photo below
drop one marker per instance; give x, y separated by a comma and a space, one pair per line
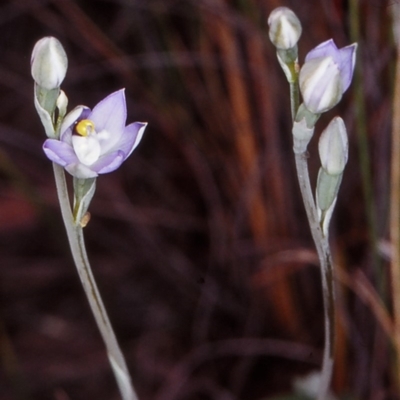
288, 60
44, 114
326, 195
327, 189
303, 129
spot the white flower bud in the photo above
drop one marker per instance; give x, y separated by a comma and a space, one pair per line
49, 63
284, 28
62, 103
333, 147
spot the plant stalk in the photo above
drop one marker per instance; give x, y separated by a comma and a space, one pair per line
323, 250
327, 276
78, 249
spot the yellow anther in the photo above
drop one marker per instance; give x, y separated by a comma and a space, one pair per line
84, 127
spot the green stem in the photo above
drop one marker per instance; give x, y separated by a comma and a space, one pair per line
294, 97
78, 249
325, 259
321, 242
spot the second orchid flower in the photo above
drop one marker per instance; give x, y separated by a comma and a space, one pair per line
326, 75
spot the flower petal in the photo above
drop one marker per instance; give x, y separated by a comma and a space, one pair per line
345, 58
348, 60
110, 113
81, 171
109, 162
59, 152
108, 140
87, 149
132, 136
325, 49
320, 84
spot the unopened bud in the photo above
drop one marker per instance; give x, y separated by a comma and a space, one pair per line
62, 103
49, 63
333, 147
284, 28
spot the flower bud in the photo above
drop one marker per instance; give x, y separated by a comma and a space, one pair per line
284, 28
62, 104
327, 189
48, 63
333, 147
326, 75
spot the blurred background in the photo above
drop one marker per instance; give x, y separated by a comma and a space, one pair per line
199, 242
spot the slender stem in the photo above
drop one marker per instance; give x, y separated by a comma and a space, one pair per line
294, 98
322, 246
325, 259
294, 87
78, 249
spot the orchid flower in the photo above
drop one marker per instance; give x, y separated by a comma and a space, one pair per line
86, 143
326, 75
94, 142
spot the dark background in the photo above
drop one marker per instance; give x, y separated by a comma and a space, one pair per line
199, 242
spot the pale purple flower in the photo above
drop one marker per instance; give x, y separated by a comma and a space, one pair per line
94, 142
326, 75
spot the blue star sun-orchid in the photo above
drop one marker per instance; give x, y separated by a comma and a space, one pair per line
94, 142
86, 143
